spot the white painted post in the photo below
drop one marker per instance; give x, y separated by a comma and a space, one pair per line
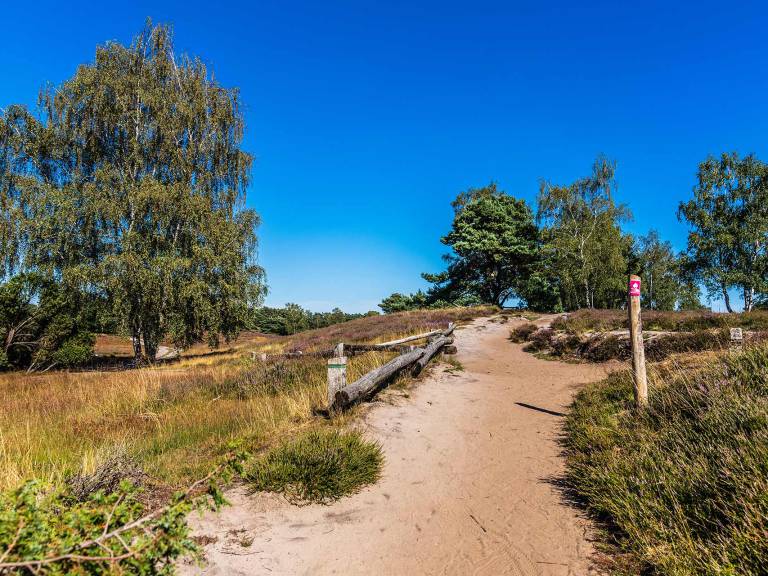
337, 377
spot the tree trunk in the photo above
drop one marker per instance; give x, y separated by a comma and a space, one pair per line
727, 299
136, 339
150, 347
749, 299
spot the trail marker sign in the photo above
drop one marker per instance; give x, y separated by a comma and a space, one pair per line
634, 286
737, 335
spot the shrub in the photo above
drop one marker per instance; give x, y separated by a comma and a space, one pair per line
540, 340
57, 530
684, 482
523, 332
661, 347
604, 348
318, 466
565, 345
583, 321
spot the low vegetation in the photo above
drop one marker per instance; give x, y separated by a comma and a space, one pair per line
682, 485
176, 420
584, 321
602, 335
318, 466
56, 530
74, 446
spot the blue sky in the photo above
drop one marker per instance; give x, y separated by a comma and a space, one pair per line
367, 118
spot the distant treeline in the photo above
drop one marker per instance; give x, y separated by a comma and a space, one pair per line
293, 318
571, 253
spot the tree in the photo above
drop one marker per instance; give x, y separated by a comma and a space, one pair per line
659, 268
41, 325
494, 242
132, 187
728, 216
583, 243
398, 302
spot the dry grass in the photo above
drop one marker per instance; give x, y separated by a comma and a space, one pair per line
176, 420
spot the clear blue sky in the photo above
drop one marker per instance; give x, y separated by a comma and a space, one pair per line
367, 118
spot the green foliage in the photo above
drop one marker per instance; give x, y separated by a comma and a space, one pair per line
293, 319
130, 188
494, 242
585, 253
397, 302
42, 325
728, 216
659, 269
683, 482
52, 530
318, 466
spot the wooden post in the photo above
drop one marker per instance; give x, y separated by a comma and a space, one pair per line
636, 337
337, 377
737, 339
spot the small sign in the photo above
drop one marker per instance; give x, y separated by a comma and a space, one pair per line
634, 287
737, 335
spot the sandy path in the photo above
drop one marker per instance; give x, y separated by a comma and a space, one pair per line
464, 490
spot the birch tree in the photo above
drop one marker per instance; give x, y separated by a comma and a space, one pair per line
580, 228
132, 185
728, 219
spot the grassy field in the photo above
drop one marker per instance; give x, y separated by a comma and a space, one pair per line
682, 487
175, 420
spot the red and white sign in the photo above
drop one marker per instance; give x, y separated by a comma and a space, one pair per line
634, 287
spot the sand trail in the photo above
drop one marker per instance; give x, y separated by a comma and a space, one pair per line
466, 487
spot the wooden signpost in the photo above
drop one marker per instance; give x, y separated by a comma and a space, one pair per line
636, 337
337, 375
737, 339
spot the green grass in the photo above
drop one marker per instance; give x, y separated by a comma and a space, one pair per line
684, 485
318, 466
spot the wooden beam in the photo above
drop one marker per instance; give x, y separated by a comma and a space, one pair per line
409, 339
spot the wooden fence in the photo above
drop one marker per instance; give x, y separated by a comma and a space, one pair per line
342, 395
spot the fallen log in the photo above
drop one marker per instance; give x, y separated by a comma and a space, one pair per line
371, 381
432, 348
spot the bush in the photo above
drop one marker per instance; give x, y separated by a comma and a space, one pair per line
318, 466
604, 348
583, 321
566, 345
523, 332
64, 530
540, 340
684, 482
